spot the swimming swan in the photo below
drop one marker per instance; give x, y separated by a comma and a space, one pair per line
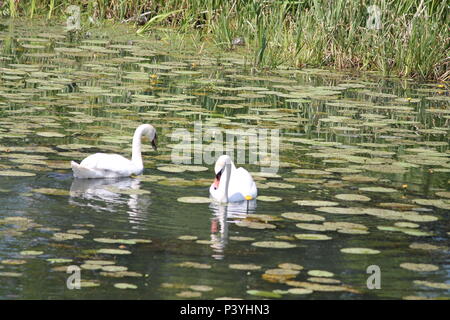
231, 184
102, 165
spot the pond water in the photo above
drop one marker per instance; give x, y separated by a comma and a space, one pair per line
363, 163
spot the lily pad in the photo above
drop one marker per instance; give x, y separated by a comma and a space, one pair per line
360, 251
302, 216
11, 173
249, 266
312, 236
194, 200
269, 198
320, 273
113, 251
351, 197
300, 291
378, 189
31, 253
274, 244
52, 191
123, 285
421, 267
264, 294
316, 203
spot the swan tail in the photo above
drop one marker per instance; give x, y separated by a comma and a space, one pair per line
82, 172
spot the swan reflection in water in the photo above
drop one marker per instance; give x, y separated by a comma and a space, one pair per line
110, 195
224, 214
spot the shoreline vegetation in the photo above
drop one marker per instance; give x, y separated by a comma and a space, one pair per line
401, 38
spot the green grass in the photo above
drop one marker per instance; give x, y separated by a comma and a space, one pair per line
413, 40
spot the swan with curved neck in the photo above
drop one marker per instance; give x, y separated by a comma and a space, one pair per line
231, 184
102, 165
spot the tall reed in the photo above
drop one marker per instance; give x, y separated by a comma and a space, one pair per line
413, 40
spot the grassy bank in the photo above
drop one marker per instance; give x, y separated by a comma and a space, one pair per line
412, 39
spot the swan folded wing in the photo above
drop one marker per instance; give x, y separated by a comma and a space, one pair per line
101, 165
241, 185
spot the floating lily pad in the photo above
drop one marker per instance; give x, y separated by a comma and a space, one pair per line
114, 268
312, 226
311, 172
312, 236
50, 134
300, 291
201, 288
121, 274
360, 251
339, 210
189, 294
378, 189
10, 274
316, 203
269, 198
89, 284
113, 251
435, 285
274, 244
87, 266
444, 194
195, 265
279, 275
424, 246
317, 286
123, 285
280, 185
255, 225
421, 267
323, 280
100, 262
108, 240
31, 253
11, 173
60, 236
351, 197
248, 267
239, 238
59, 260
320, 273
264, 294
13, 261
194, 200
51, 191
302, 216
439, 203
188, 238
172, 169
290, 266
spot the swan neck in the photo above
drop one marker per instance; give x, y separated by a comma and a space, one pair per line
227, 181
136, 156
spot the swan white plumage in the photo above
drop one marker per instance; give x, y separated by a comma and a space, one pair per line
103, 165
231, 184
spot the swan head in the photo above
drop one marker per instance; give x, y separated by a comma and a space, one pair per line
219, 168
148, 132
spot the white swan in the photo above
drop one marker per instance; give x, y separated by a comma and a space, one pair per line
102, 165
231, 184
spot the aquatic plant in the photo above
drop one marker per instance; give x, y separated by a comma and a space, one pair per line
404, 38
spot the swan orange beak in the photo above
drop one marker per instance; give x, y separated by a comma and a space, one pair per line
217, 180
216, 183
